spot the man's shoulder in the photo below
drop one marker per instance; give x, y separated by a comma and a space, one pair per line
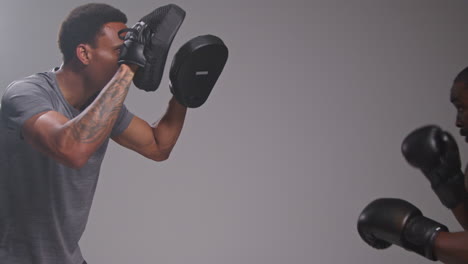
40, 79
38, 82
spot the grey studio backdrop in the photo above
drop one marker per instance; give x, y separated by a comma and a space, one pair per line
302, 130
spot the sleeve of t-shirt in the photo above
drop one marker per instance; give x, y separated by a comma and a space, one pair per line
123, 120
21, 101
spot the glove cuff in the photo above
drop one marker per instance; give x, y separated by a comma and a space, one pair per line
420, 234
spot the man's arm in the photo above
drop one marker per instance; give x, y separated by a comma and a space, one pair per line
157, 141
461, 214
461, 210
73, 141
452, 248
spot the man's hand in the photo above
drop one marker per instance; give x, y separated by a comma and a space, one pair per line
131, 52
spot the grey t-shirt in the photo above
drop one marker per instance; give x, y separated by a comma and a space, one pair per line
44, 205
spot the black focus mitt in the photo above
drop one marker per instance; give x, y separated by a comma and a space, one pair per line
195, 69
161, 26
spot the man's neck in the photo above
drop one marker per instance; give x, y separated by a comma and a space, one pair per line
75, 88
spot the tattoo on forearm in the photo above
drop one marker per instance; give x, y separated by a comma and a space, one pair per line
97, 123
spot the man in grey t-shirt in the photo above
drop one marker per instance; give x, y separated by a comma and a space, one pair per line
54, 131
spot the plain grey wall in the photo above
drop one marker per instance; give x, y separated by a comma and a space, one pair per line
302, 130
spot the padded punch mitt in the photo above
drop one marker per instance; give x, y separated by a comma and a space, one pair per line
162, 26
196, 68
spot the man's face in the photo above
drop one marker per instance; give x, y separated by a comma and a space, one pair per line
459, 98
105, 54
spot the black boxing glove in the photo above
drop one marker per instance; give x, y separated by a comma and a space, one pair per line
435, 153
131, 51
388, 221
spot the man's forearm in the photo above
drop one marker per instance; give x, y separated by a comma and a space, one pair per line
167, 130
87, 131
452, 248
461, 213
461, 210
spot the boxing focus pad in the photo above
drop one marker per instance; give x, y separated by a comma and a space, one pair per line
435, 153
388, 221
196, 68
161, 27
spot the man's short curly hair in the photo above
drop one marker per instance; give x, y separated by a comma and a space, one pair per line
83, 25
462, 76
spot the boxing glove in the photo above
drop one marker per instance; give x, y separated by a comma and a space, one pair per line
435, 153
131, 51
388, 221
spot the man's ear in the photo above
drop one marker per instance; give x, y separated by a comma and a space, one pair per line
83, 53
